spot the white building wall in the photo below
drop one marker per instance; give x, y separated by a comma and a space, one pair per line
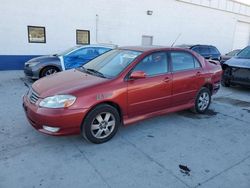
121, 22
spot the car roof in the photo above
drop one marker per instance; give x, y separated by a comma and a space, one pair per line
111, 46
193, 45
142, 48
185, 46
150, 48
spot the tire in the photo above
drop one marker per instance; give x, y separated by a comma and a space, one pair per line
225, 82
101, 124
48, 71
202, 101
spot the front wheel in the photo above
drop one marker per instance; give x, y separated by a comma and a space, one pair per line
101, 124
225, 77
48, 71
202, 101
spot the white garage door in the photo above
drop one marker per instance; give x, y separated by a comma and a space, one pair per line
242, 35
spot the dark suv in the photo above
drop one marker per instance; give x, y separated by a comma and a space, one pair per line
207, 51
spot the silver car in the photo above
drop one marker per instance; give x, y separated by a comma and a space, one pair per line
72, 58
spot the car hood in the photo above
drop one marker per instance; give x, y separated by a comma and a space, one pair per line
238, 62
44, 59
67, 82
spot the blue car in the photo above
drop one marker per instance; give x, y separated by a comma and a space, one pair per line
72, 58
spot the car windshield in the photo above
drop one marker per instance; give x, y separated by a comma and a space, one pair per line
245, 53
233, 53
68, 51
112, 63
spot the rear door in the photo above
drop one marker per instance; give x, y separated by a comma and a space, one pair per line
152, 93
187, 77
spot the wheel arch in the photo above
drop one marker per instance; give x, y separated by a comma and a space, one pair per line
54, 66
111, 103
208, 86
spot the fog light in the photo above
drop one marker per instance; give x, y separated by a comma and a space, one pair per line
51, 129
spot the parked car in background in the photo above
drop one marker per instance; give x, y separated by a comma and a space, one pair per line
71, 58
207, 51
236, 71
122, 86
228, 55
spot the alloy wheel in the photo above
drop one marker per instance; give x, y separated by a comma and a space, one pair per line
103, 125
203, 101
50, 71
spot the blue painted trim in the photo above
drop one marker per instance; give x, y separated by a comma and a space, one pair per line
14, 62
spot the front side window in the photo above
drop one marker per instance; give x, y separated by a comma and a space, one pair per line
183, 61
153, 64
113, 62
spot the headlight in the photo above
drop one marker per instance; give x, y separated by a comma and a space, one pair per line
58, 101
32, 63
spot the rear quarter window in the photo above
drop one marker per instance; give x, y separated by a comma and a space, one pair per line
214, 50
183, 61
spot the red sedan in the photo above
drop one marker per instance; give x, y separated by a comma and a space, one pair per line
121, 87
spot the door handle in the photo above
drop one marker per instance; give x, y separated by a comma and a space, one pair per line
167, 79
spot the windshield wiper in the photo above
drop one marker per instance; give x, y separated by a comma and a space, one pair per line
95, 72
91, 71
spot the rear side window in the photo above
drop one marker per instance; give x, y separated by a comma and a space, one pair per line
214, 50
183, 61
196, 49
153, 64
204, 50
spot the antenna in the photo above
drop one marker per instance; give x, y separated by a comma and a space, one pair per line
176, 40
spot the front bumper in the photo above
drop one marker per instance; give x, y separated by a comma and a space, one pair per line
30, 72
238, 76
68, 120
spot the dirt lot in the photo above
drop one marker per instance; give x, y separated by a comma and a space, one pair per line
215, 147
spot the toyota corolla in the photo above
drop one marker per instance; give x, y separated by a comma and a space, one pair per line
121, 87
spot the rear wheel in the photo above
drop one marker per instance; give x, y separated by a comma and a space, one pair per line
101, 124
48, 71
202, 101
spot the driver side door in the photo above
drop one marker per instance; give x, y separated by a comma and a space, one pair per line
153, 92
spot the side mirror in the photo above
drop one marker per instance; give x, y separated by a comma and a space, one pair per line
137, 75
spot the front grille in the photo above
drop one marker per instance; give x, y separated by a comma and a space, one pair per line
33, 96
